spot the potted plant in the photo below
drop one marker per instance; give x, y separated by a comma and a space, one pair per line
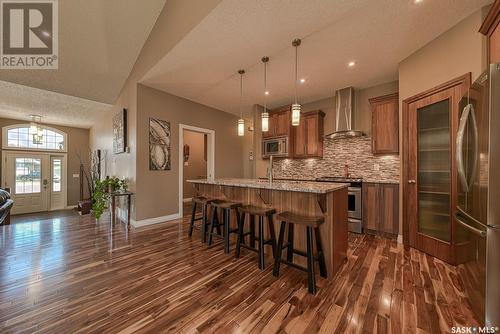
102, 191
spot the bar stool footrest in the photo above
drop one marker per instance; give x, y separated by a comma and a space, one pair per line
296, 266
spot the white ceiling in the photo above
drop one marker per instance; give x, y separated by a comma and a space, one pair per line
237, 33
18, 102
99, 41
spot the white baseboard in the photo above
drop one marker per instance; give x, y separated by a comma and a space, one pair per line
400, 239
156, 220
185, 200
69, 207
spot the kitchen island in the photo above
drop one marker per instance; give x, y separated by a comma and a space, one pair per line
304, 198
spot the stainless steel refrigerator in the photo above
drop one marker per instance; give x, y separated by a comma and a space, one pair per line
478, 207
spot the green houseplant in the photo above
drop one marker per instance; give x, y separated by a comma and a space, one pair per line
102, 190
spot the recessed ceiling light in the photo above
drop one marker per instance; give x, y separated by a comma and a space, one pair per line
351, 64
418, 1
266, 92
302, 80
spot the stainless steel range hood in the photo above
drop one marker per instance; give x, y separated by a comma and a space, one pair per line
344, 110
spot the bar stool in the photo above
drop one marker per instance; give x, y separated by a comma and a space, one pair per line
311, 223
226, 208
204, 202
260, 212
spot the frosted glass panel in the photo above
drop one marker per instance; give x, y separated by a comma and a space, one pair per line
434, 170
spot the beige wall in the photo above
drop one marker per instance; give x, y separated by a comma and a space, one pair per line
176, 19
196, 166
460, 50
78, 144
158, 191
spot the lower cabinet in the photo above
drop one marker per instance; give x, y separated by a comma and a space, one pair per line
381, 208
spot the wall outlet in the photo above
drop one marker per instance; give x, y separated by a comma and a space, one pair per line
376, 167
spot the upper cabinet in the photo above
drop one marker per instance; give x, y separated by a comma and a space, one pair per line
491, 28
306, 139
385, 124
279, 123
308, 135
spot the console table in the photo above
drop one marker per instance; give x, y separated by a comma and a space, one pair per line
113, 196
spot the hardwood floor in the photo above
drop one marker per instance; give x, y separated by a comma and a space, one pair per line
71, 275
31, 217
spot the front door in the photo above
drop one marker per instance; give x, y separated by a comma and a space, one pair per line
26, 174
36, 181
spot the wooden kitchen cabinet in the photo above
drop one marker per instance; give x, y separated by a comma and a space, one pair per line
491, 28
371, 204
381, 208
308, 135
385, 124
282, 123
279, 123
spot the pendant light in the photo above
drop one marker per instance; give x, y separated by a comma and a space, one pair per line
265, 114
241, 121
296, 106
36, 130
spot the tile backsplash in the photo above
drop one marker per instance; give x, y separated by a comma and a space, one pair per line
355, 152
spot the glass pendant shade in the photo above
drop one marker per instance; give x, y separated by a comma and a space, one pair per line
33, 127
265, 121
241, 127
295, 114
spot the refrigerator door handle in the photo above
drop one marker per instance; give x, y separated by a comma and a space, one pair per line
474, 230
468, 112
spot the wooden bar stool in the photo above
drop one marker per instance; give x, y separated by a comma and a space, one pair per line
311, 223
260, 212
215, 222
204, 202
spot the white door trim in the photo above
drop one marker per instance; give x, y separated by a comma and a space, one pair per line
210, 158
48, 154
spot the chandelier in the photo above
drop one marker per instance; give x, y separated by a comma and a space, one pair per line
36, 130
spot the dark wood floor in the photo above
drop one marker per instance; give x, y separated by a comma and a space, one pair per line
72, 275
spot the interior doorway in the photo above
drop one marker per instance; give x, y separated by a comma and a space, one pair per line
196, 159
37, 181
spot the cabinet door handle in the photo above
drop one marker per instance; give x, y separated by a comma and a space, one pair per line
412, 181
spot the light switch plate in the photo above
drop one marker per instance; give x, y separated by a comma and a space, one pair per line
376, 167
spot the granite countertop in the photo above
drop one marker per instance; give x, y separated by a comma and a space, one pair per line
381, 181
297, 186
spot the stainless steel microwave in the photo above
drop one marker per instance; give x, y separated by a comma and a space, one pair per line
276, 147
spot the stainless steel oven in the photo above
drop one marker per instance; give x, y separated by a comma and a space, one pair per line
354, 201
276, 147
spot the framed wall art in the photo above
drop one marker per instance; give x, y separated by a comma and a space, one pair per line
120, 132
160, 157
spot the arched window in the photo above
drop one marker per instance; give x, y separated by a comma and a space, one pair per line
21, 136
